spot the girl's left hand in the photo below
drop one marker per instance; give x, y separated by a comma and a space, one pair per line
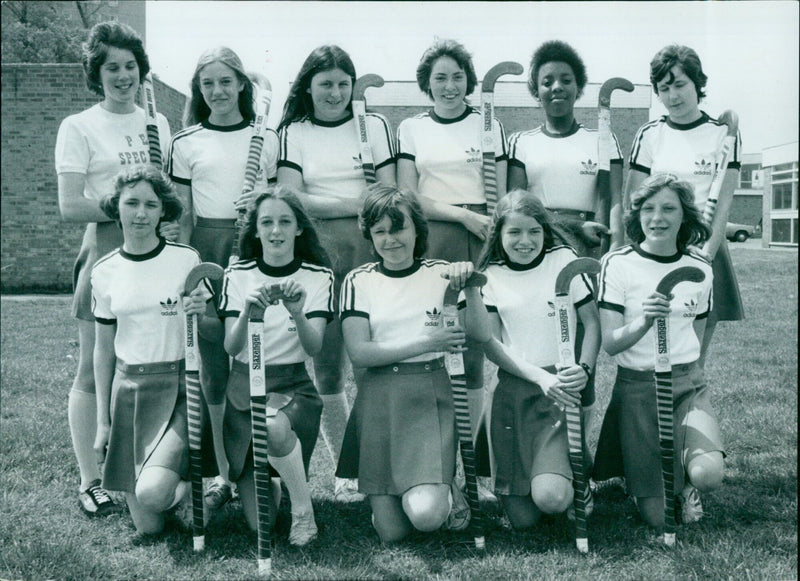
572, 379
458, 273
169, 230
244, 200
293, 296
592, 232
195, 302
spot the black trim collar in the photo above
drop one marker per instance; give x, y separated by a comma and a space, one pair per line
441, 120
664, 259
226, 128
572, 130
338, 123
279, 271
687, 126
400, 273
523, 267
147, 255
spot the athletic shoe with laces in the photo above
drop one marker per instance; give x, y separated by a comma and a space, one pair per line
346, 490
95, 501
303, 530
459, 516
691, 507
217, 494
589, 505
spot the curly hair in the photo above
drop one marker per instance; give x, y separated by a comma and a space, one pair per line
525, 203
684, 57
449, 48
389, 201
162, 187
322, 59
103, 36
197, 110
693, 231
307, 246
556, 51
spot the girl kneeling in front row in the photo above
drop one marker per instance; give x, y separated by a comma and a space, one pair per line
141, 407
403, 418
278, 246
663, 222
517, 327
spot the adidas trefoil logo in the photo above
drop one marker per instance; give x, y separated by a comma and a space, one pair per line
357, 161
702, 167
169, 308
552, 311
589, 168
433, 317
473, 155
691, 308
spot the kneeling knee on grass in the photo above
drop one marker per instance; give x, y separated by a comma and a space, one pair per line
424, 507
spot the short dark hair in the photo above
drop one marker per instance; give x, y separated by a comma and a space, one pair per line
197, 110
450, 48
95, 50
307, 246
383, 201
162, 187
693, 231
323, 58
525, 203
683, 56
556, 51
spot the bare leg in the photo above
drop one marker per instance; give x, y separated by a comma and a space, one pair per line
82, 407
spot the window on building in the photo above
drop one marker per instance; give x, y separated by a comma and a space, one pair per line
784, 230
750, 176
782, 196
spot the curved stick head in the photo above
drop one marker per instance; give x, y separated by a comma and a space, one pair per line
363, 83
731, 119
475, 279
682, 274
259, 81
612, 85
573, 269
203, 270
497, 71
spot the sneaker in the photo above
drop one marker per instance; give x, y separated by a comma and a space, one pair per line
613, 482
346, 490
589, 505
459, 516
691, 507
303, 530
95, 501
217, 494
484, 494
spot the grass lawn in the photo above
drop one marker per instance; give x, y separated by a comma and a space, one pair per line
750, 531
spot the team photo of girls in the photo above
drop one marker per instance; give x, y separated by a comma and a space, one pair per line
455, 317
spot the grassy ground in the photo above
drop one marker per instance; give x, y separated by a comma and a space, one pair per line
750, 531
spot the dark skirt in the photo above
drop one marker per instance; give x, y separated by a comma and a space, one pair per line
629, 444
148, 423
346, 246
525, 439
727, 300
99, 239
291, 391
401, 431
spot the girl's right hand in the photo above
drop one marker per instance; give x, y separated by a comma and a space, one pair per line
655, 306
450, 339
259, 296
476, 223
101, 442
559, 393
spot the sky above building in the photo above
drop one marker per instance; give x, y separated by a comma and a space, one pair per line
749, 50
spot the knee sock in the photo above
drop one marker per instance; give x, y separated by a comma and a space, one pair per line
335, 412
82, 415
216, 412
293, 474
475, 405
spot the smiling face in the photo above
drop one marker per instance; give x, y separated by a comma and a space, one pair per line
119, 75
276, 227
522, 238
448, 85
678, 94
661, 217
331, 92
558, 89
140, 210
395, 247
220, 88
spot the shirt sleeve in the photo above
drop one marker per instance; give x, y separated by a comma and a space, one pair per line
513, 144
487, 293
231, 302
580, 291
269, 157
405, 142
164, 134
617, 155
707, 298
380, 139
178, 166
72, 149
641, 151
291, 154
354, 301
611, 292
319, 302
501, 153
101, 301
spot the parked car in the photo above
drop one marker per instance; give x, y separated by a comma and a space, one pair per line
738, 232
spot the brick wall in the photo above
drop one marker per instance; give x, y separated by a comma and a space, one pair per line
38, 249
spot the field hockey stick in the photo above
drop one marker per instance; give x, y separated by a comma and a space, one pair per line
488, 146
454, 363
153, 142
210, 271
664, 396
731, 119
566, 358
605, 142
360, 113
262, 95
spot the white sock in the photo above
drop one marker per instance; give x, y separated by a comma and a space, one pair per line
82, 416
475, 405
293, 474
335, 413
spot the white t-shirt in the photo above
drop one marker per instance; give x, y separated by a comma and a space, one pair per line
328, 153
447, 154
142, 295
100, 144
522, 296
561, 169
402, 303
628, 276
212, 160
689, 151
281, 341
